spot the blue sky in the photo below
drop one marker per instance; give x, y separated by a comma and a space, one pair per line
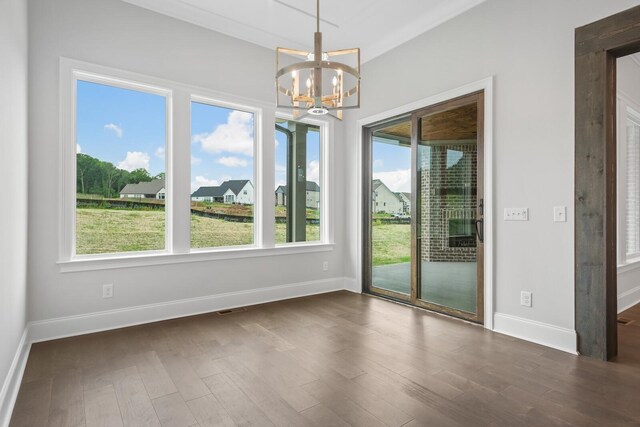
392, 164
221, 145
127, 128
121, 126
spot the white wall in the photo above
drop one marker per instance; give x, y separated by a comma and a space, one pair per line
528, 46
119, 35
13, 173
628, 86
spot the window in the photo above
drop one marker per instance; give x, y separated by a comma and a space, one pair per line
222, 172
632, 211
298, 179
155, 170
120, 169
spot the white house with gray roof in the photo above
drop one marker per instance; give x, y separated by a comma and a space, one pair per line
232, 191
312, 195
385, 200
154, 189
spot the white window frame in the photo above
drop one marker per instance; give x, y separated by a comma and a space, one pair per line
257, 157
68, 139
178, 158
326, 172
627, 109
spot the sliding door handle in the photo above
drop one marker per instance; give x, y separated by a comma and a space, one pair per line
480, 229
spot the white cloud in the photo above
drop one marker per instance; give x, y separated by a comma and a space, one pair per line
398, 180
135, 160
378, 163
235, 136
195, 160
202, 181
277, 143
114, 128
281, 168
232, 162
160, 152
78, 149
313, 171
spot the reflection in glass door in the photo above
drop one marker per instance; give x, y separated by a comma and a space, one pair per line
449, 226
425, 226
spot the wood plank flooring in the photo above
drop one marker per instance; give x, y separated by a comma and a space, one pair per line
629, 337
337, 359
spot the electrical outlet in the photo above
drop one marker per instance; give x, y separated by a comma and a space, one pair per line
516, 214
525, 298
325, 266
560, 214
107, 291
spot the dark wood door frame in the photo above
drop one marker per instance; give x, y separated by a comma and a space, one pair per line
597, 47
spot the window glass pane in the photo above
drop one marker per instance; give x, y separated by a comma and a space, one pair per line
222, 185
633, 187
297, 182
120, 169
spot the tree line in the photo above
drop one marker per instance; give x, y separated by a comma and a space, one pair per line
93, 176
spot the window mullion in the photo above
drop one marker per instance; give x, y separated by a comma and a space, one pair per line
178, 167
265, 170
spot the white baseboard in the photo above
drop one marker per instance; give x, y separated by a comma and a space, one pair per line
537, 332
61, 327
628, 299
11, 385
352, 285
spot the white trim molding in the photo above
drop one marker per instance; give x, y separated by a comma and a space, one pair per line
11, 385
540, 333
45, 330
485, 85
628, 299
352, 285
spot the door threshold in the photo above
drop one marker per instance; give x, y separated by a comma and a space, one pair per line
406, 304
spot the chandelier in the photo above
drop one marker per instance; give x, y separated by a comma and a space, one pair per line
315, 82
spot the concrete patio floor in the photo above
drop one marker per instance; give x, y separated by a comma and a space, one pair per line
450, 284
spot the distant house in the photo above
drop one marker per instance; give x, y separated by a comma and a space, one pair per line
385, 200
405, 198
153, 189
312, 195
233, 191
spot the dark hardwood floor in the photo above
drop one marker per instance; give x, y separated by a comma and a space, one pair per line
329, 360
629, 338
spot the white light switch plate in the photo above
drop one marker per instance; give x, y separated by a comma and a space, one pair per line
516, 214
560, 214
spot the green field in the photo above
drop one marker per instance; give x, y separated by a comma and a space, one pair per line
391, 243
101, 231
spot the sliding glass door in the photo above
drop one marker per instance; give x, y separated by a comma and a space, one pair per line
424, 225
390, 210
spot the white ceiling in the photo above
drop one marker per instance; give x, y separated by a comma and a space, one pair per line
375, 26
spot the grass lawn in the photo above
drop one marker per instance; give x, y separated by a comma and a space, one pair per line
114, 230
101, 231
391, 243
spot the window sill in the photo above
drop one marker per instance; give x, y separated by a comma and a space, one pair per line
197, 255
629, 265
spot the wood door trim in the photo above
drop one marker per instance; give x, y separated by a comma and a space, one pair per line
597, 46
